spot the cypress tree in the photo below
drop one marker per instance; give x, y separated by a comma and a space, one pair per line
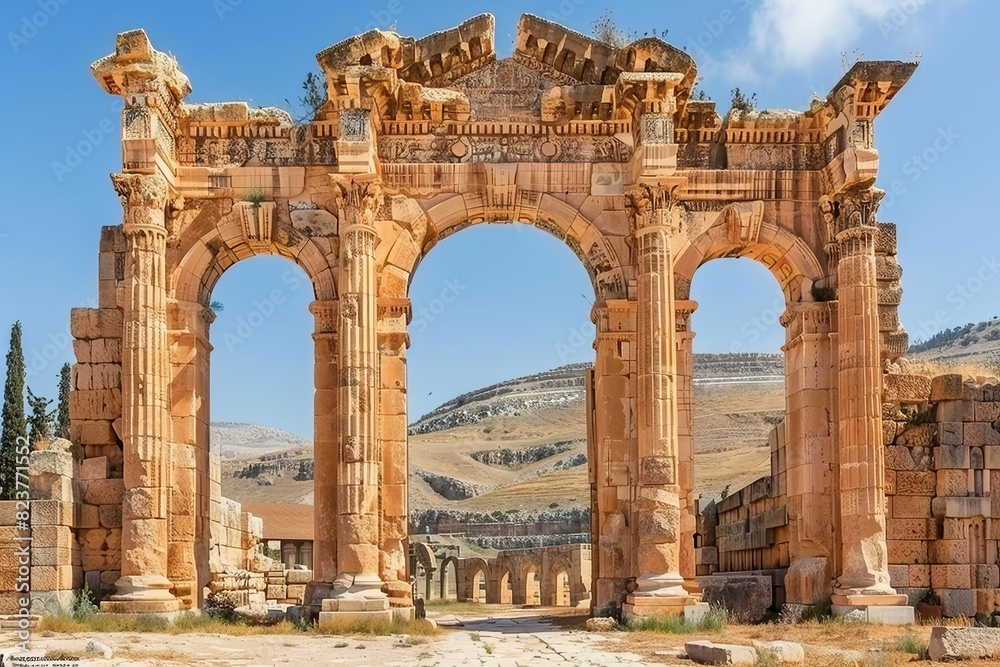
14, 422
62, 412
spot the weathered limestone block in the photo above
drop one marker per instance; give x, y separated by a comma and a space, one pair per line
921, 435
951, 576
957, 602
94, 468
956, 643
707, 653
50, 462
92, 323
911, 507
950, 551
956, 411
786, 653
95, 404
987, 411
901, 388
953, 483
947, 388
103, 491
911, 529
954, 457
907, 552
915, 483
51, 513
978, 434
919, 576
898, 458
951, 433
961, 508
747, 598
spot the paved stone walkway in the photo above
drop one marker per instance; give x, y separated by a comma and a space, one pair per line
528, 641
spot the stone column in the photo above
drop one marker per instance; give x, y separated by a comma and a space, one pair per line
864, 575
610, 452
359, 472
393, 340
660, 586
143, 586
190, 496
685, 441
326, 448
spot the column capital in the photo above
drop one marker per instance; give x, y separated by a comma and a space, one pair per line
143, 198
358, 200
654, 208
326, 315
850, 216
684, 309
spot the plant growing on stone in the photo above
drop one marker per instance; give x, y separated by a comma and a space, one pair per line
255, 197
15, 424
314, 97
84, 605
743, 103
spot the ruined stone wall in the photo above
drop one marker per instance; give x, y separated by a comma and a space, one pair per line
748, 529
96, 399
942, 458
942, 478
276, 586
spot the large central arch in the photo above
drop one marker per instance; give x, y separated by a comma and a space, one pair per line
603, 148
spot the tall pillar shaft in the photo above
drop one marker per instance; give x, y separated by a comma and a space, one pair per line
144, 585
685, 441
864, 563
658, 502
360, 448
326, 446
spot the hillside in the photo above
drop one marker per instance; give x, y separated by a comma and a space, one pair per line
238, 440
521, 444
973, 347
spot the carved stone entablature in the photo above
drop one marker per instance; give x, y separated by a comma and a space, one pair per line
136, 68
869, 86
807, 318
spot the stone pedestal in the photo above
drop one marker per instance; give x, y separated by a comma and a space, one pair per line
143, 586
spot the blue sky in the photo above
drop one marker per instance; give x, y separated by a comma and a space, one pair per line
521, 298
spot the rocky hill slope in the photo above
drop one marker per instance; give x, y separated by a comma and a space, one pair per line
974, 348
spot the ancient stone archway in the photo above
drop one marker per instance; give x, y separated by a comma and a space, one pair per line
604, 148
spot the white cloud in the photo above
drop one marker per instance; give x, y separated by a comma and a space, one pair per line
795, 33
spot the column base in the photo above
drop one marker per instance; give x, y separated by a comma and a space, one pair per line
352, 609
639, 606
146, 594
886, 614
846, 599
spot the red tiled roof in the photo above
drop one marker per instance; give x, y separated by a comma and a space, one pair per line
283, 521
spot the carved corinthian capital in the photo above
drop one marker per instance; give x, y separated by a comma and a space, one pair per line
851, 220
358, 202
143, 197
654, 207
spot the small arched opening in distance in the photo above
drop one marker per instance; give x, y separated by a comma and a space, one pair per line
561, 593
504, 586
477, 586
448, 588
532, 586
